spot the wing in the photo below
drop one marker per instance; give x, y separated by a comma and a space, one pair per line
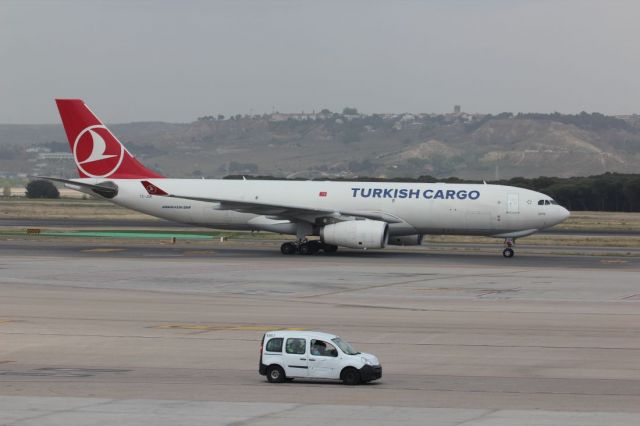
278, 211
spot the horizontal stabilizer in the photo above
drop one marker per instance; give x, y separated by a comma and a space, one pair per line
105, 189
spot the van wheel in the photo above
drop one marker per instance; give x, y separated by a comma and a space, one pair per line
275, 374
350, 376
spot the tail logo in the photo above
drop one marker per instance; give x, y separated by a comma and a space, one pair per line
97, 152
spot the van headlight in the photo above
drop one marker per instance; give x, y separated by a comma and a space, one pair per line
366, 361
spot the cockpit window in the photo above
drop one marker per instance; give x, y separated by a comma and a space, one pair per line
554, 202
541, 203
547, 202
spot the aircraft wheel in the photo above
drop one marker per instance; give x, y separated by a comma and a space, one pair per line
304, 248
508, 252
288, 248
329, 248
314, 246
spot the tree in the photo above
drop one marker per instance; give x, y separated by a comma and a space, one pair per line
631, 191
42, 189
350, 111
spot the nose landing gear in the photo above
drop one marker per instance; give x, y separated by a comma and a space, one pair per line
508, 251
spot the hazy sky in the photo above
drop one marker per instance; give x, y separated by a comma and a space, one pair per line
177, 60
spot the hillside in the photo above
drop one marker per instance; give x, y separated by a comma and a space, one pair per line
328, 144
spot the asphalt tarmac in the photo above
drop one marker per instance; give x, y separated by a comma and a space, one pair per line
130, 332
164, 224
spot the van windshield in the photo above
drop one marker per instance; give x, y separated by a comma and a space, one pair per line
344, 346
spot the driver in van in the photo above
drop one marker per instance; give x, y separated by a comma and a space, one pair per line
318, 348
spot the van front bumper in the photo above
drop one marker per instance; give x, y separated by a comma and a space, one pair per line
370, 372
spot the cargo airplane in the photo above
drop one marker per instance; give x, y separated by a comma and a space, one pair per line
359, 215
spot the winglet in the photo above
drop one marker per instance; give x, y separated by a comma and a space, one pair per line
152, 189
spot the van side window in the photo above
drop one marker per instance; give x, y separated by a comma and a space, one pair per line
321, 348
274, 345
296, 346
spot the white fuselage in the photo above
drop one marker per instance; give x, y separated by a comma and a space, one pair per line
424, 208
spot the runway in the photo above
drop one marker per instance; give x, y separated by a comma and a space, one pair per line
169, 333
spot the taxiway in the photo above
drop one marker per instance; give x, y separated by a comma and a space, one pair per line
169, 333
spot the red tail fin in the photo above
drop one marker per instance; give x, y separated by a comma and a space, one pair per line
96, 151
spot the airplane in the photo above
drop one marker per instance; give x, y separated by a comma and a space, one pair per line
358, 215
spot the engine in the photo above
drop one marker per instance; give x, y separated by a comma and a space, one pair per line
362, 234
406, 240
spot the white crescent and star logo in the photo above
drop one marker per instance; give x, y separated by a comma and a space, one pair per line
97, 152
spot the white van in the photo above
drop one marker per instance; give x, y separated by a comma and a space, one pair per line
287, 355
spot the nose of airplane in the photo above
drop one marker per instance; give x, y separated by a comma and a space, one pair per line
563, 214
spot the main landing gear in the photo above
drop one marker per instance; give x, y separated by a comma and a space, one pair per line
508, 251
307, 247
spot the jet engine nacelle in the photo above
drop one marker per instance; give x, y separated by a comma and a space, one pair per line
406, 240
362, 234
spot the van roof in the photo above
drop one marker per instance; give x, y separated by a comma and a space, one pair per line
301, 333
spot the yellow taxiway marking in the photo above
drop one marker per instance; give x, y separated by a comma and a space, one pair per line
5, 321
224, 327
103, 250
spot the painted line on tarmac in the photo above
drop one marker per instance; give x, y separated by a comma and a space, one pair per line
200, 252
102, 250
223, 327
